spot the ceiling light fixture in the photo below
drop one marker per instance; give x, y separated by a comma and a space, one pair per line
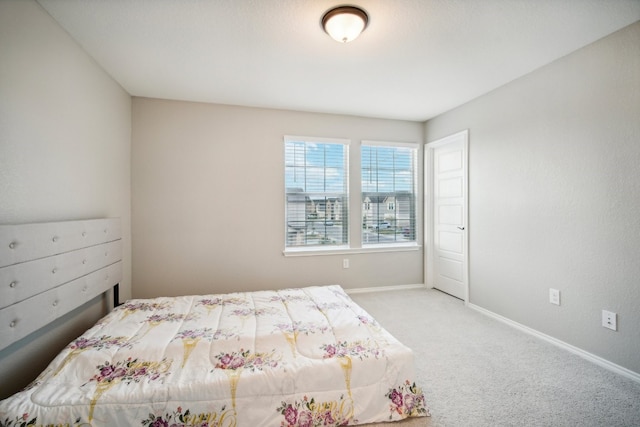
345, 23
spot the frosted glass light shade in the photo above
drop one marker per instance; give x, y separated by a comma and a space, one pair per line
345, 23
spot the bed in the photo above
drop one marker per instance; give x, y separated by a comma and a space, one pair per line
308, 356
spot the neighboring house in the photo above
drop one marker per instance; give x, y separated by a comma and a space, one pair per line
396, 209
329, 209
305, 212
297, 216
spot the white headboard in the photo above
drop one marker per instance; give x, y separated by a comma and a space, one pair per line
49, 269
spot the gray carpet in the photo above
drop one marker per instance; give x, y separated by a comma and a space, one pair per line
476, 371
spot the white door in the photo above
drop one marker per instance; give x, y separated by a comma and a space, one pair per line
447, 230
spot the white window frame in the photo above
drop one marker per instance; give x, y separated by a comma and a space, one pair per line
392, 144
355, 208
319, 249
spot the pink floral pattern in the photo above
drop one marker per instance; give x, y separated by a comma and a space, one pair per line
407, 400
225, 334
181, 418
359, 349
331, 306
191, 337
212, 303
244, 359
99, 343
130, 370
195, 334
169, 317
125, 371
310, 413
24, 421
251, 312
134, 306
301, 327
367, 320
277, 298
289, 298
92, 343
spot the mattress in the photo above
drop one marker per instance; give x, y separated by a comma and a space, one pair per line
294, 357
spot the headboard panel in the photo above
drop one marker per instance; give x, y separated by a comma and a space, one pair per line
26, 242
49, 269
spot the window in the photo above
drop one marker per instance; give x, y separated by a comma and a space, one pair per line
316, 186
388, 174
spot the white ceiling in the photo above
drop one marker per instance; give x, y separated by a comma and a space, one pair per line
416, 59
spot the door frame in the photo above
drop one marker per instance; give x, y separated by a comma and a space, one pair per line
429, 206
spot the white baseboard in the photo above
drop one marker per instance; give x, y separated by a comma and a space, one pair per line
575, 350
385, 288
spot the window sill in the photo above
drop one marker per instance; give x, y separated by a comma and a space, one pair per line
315, 251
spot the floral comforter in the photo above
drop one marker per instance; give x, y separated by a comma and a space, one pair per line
294, 357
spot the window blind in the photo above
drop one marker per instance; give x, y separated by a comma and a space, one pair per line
316, 186
389, 186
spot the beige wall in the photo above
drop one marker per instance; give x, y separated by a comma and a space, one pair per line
555, 196
65, 135
208, 200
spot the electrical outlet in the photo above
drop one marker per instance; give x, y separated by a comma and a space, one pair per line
345, 263
554, 296
610, 320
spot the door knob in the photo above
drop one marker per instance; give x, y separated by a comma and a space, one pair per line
461, 228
